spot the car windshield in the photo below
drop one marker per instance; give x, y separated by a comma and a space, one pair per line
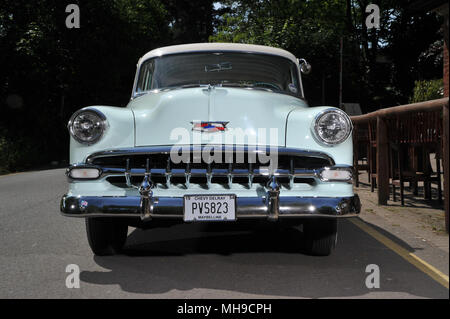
233, 69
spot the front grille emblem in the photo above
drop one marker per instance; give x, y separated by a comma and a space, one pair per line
210, 127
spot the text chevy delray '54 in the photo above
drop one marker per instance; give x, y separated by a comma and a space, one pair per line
213, 132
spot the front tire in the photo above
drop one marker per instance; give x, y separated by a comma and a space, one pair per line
106, 236
320, 236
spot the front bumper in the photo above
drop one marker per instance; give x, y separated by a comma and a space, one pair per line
246, 207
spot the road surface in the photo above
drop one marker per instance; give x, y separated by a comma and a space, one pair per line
184, 261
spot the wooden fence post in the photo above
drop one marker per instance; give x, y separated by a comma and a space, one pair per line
382, 161
446, 163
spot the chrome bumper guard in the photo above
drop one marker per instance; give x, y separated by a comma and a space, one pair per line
271, 207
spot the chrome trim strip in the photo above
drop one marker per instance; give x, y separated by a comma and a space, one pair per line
247, 207
165, 149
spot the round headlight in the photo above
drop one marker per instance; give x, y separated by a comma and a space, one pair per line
332, 127
87, 126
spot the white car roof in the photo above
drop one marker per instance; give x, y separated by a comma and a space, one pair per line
198, 47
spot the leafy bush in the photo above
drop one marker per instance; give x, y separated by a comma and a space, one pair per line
18, 153
427, 90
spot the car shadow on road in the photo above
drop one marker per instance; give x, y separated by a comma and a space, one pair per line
263, 261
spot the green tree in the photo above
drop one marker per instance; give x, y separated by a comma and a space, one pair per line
55, 71
380, 65
427, 90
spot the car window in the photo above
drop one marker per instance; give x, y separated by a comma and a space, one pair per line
145, 77
234, 69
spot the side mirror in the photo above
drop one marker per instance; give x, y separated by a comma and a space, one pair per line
305, 67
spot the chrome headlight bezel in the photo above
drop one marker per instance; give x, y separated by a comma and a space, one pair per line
315, 132
103, 124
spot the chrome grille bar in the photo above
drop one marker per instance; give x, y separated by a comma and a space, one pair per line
294, 167
250, 175
208, 175
194, 149
168, 172
230, 175
291, 173
187, 174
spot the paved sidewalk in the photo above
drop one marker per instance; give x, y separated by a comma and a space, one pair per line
420, 223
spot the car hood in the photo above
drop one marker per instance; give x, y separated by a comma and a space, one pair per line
166, 117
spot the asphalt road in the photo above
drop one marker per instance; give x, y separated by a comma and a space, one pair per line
184, 261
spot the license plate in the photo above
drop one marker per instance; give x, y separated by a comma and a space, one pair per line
209, 207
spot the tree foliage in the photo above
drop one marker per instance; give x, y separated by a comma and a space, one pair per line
426, 90
380, 65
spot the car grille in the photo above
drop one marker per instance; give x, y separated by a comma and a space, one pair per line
246, 169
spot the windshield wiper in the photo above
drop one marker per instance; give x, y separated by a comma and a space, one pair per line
243, 86
186, 86
231, 84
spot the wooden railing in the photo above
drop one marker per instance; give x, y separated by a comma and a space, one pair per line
381, 118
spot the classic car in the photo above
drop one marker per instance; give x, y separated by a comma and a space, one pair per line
214, 132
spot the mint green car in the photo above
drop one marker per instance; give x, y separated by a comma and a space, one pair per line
214, 132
